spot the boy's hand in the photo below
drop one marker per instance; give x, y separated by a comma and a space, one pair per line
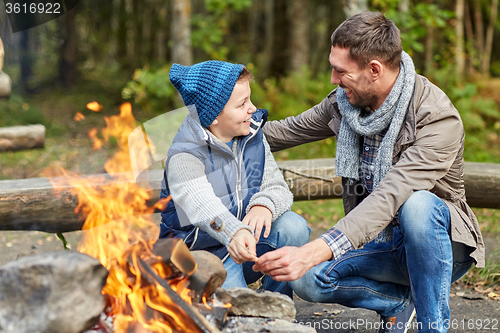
257, 218
241, 239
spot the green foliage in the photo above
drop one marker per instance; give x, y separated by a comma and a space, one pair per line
413, 23
484, 277
150, 89
289, 96
17, 111
292, 94
63, 240
209, 30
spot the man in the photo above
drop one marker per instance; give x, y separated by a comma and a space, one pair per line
408, 232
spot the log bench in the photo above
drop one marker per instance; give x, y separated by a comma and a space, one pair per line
30, 204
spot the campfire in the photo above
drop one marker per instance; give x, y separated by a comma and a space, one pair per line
152, 286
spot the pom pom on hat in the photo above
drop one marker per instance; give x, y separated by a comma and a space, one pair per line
208, 85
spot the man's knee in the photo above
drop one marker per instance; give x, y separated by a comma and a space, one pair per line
306, 287
423, 212
293, 227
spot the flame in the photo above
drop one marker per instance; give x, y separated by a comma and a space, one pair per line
94, 106
117, 231
79, 116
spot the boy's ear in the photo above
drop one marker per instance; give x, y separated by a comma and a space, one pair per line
216, 121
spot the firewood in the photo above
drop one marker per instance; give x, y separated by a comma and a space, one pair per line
22, 137
175, 254
30, 204
201, 323
209, 276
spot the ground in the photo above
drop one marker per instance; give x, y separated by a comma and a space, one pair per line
470, 311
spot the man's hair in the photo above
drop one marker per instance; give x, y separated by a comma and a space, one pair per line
245, 75
369, 36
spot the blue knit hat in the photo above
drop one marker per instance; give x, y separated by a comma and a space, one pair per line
208, 85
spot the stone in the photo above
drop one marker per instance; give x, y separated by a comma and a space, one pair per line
266, 304
51, 292
264, 325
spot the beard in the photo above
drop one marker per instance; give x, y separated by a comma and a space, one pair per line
362, 99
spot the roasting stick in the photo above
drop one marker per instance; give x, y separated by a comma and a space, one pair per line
218, 225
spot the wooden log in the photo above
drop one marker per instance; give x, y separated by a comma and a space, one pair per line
30, 204
22, 137
37, 204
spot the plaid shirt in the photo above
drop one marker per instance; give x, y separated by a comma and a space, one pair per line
367, 165
336, 240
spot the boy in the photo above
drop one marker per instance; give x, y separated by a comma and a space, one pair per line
220, 168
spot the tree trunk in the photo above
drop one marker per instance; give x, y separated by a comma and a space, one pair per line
181, 32
253, 26
26, 60
115, 30
69, 49
428, 51
160, 40
469, 36
459, 43
404, 6
147, 14
268, 54
131, 33
429, 42
485, 65
299, 44
353, 7
280, 59
320, 39
478, 22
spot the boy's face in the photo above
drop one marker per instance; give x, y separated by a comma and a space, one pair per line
234, 119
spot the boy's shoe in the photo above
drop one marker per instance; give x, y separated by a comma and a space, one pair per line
400, 322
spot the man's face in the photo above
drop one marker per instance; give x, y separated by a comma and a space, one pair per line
356, 82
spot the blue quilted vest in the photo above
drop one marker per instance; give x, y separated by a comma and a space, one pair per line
223, 171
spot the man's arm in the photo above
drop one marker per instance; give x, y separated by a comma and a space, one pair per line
274, 193
290, 263
318, 123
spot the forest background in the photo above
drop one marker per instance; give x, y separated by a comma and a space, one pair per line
121, 50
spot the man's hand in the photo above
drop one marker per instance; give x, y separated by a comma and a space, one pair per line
242, 239
290, 263
257, 218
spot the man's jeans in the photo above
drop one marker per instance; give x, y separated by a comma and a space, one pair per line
290, 229
420, 260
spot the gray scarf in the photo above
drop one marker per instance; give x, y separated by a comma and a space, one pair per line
353, 127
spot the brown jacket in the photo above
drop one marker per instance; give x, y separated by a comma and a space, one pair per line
428, 155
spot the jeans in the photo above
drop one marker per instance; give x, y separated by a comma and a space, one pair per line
420, 262
290, 229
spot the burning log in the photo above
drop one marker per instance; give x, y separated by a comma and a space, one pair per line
209, 276
201, 323
175, 254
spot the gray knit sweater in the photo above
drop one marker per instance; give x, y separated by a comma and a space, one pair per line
192, 192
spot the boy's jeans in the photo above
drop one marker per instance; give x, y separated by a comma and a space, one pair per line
420, 259
290, 229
